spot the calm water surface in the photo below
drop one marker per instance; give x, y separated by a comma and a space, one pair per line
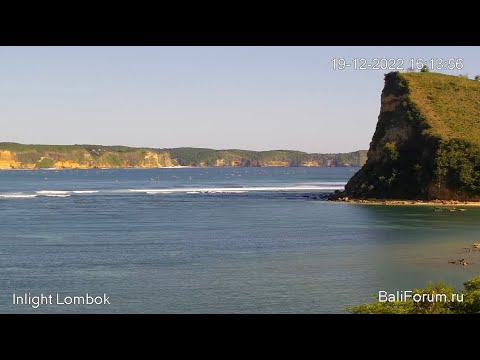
216, 240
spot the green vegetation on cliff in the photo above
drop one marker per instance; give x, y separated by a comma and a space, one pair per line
450, 104
427, 141
209, 157
234, 157
20, 156
435, 302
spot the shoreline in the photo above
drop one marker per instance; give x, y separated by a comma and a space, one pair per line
391, 202
101, 168
170, 167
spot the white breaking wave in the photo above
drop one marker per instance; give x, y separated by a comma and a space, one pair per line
193, 191
237, 189
52, 192
226, 192
216, 192
17, 196
31, 196
64, 193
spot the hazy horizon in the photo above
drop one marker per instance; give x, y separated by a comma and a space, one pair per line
249, 98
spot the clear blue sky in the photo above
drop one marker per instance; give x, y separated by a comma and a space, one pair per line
255, 98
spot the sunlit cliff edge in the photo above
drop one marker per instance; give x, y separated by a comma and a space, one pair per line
19, 156
426, 144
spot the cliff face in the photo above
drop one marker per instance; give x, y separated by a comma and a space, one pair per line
18, 156
210, 157
426, 143
8, 160
75, 157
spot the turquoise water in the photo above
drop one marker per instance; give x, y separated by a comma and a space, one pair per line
216, 240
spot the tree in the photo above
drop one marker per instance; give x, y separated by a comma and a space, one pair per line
411, 69
425, 69
391, 151
477, 77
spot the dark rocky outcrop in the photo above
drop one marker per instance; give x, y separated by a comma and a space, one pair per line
425, 145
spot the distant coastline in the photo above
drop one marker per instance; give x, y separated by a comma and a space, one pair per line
390, 202
98, 168
29, 157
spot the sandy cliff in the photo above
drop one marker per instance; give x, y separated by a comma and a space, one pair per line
79, 158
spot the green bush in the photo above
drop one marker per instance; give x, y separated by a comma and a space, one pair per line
457, 166
391, 152
425, 69
45, 163
469, 305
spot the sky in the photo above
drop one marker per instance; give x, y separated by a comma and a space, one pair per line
256, 98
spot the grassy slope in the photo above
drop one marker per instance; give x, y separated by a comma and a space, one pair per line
450, 104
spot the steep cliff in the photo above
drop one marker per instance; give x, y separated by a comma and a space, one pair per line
17, 156
427, 141
235, 157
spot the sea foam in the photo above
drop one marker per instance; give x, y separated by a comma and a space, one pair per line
17, 196
52, 192
239, 189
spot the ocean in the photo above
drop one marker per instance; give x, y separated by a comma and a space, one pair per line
215, 240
